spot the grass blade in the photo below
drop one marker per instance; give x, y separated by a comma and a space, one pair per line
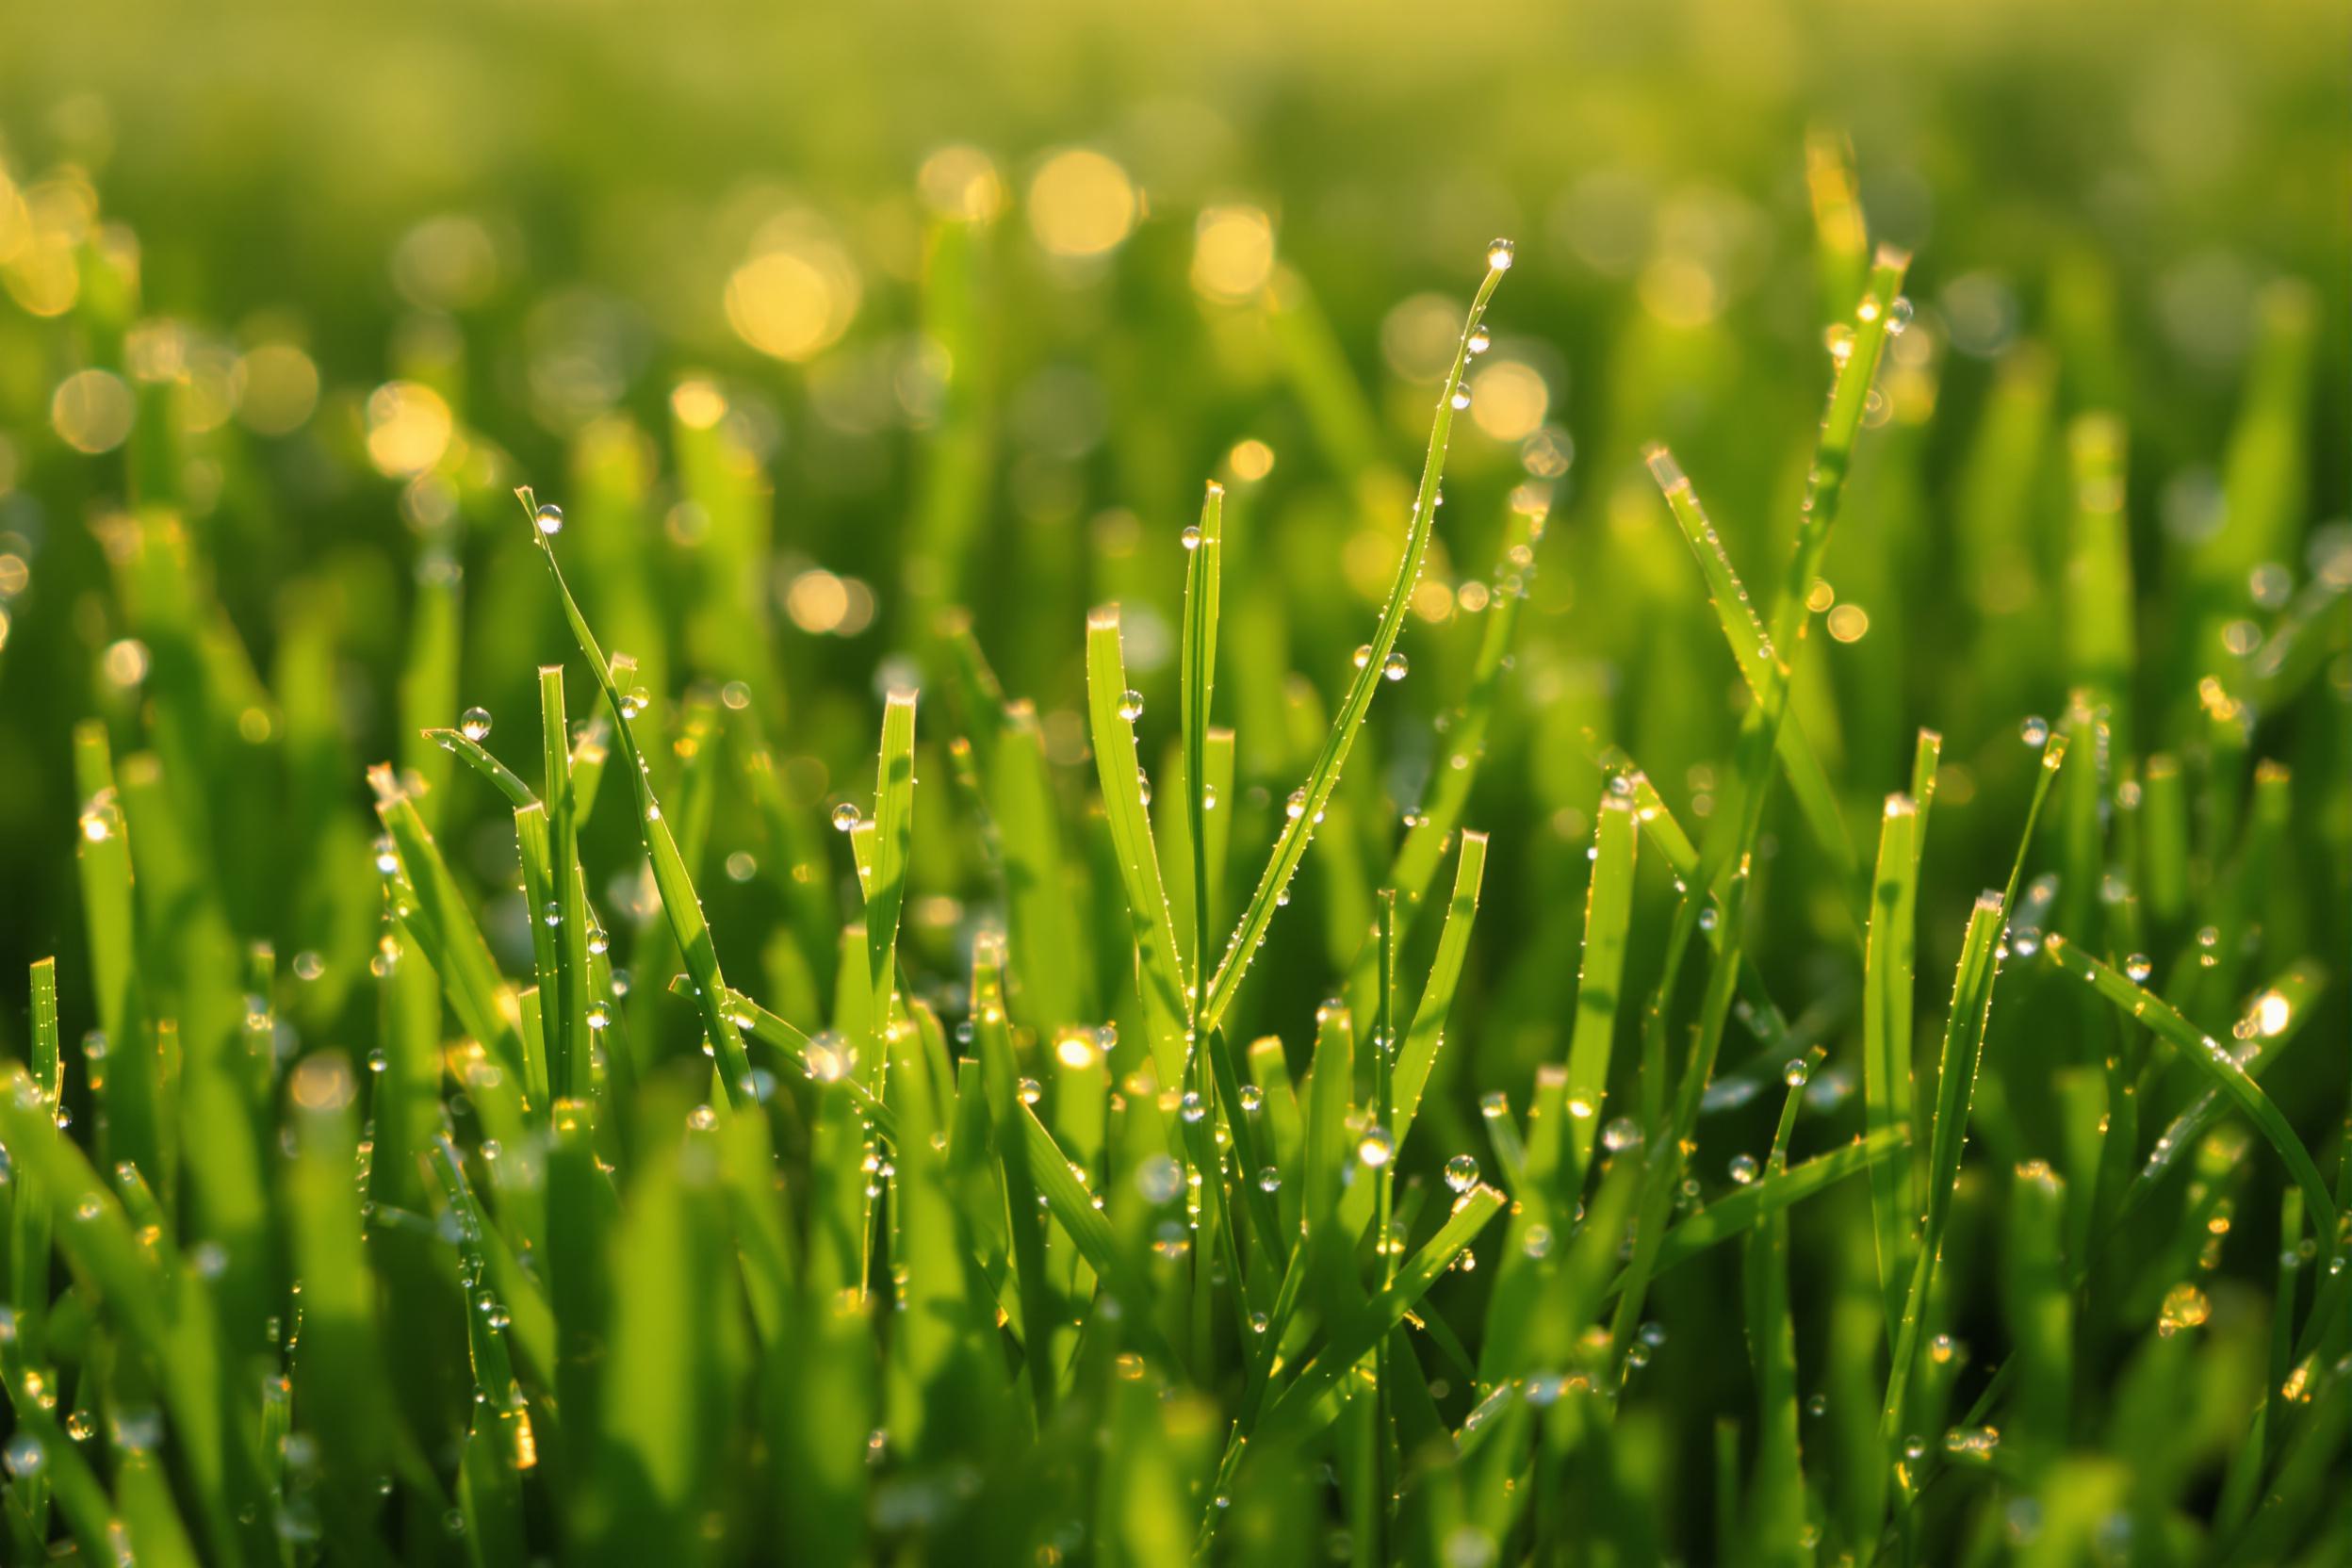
1306, 806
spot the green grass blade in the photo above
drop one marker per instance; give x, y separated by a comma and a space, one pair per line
884, 875
681, 904
1307, 807
1600, 981
1886, 1058
2215, 1062
1736, 1213
477, 757
1761, 665
1205, 544
1159, 970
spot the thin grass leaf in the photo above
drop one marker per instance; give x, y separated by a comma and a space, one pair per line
1306, 807
1197, 684
1761, 665
1887, 1052
1600, 979
2219, 1064
1737, 1211
1159, 966
679, 902
475, 755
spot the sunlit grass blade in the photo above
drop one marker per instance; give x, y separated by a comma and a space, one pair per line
1197, 683
564, 1005
2219, 1064
477, 757
679, 902
1306, 807
2040, 1310
1761, 665
1600, 980
1956, 1084
883, 873
1306, 1403
1887, 1057
1002, 1082
1159, 968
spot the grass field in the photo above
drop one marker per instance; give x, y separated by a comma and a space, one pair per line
948, 785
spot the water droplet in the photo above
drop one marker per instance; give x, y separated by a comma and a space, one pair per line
2139, 967
1376, 1147
1621, 1134
1499, 255
1462, 1172
474, 724
1795, 1072
845, 816
1364, 656
1840, 340
1131, 705
1252, 1098
1191, 1108
1480, 339
1269, 1179
551, 912
599, 1015
2034, 732
549, 517
1743, 1168
1462, 396
24, 1456
1297, 805
1192, 536
1898, 316
1394, 667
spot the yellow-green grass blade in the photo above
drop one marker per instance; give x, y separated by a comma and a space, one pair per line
1205, 544
882, 870
2099, 646
1956, 1083
1071, 1205
436, 914
1159, 968
429, 676
171, 1324
1308, 1401
339, 1368
2215, 1062
1886, 1056
2039, 1307
1600, 980
681, 904
1762, 666
27, 1206
1431, 830
1032, 1291
564, 1003
1306, 806
952, 486
477, 757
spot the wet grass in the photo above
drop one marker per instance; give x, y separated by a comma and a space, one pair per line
1192, 1108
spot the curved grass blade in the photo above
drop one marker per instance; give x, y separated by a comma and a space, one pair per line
2216, 1061
1306, 1404
1314, 795
1738, 1211
679, 901
473, 755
